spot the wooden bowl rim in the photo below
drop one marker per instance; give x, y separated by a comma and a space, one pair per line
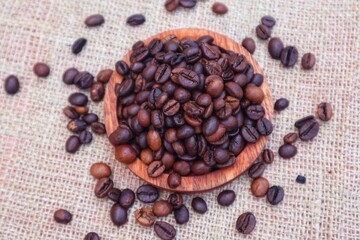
212, 180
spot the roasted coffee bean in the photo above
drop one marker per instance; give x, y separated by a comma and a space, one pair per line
213, 68
188, 3
246, 223
92, 236
147, 193
268, 156
72, 144
221, 155
76, 125
41, 69
256, 170
104, 75
226, 197
287, 151
81, 110
103, 186
139, 54
62, 216
137, 67
124, 88
275, 47
162, 208
174, 180
155, 46
127, 198
255, 112
69, 75
250, 134
154, 140
85, 137
84, 80
281, 104
137, 45
70, 112
289, 56
168, 159
290, 138
114, 194
192, 109
135, 20
193, 54
308, 61
205, 39
171, 5
188, 79
184, 132
144, 117
182, 167
249, 44
78, 45
254, 94
94, 20
162, 73
146, 156
324, 111
219, 8
309, 130
171, 108
98, 128
199, 205
164, 230
268, 21
263, 32
209, 51
257, 79
121, 135
237, 144
90, 118
259, 187
234, 90
176, 200
155, 169
200, 168
125, 153
157, 119
145, 216
299, 123
118, 215
264, 126
300, 179
275, 195
181, 215
121, 67
100, 170
78, 99
12, 84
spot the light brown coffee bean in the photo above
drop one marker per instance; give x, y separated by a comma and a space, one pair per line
145, 216
99, 170
162, 208
259, 187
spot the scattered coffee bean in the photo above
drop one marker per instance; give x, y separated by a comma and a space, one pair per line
72, 144
147, 193
226, 197
135, 20
62, 216
125, 153
188, 3
249, 44
325, 111
90, 118
256, 170
41, 69
78, 99
176, 200
300, 179
98, 128
70, 112
299, 123
104, 75
275, 195
97, 92
281, 104
263, 32
94, 20
290, 138
174, 180
246, 223
103, 186
78, 45
259, 187
69, 75
81, 110
181, 215
85, 137
127, 198
275, 47
199, 205
162, 208
220, 8
287, 151
289, 56
268, 21
84, 80
309, 130
100, 170
145, 217
118, 215
268, 156
114, 195
308, 61
92, 236
12, 84
164, 230
171, 5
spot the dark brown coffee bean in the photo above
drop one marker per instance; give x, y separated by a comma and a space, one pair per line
268, 156
76, 125
226, 197
98, 128
249, 44
192, 109
256, 170
275, 47
94, 20
309, 130
104, 75
234, 90
118, 215
308, 61
268, 21
184, 132
214, 85
154, 140
125, 153
41, 69
263, 32
121, 67
209, 51
254, 94
145, 216
92, 236
289, 56
193, 54
176, 200
135, 20
103, 186
137, 45
70, 112
69, 75
85, 137
78, 99
12, 84
144, 117
97, 92
100, 170
213, 68
114, 195
188, 79
290, 138
219, 8
237, 144
62, 216
259, 187
324, 111
171, 5
174, 180
200, 168
127, 198
182, 167
121, 135
188, 3
164, 230
125, 88
162, 73
221, 155
264, 126
72, 144
147, 193
255, 112
257, 79
171, 108
155, 169
299, 123
250, 134
246, 223
139, 54
84, 80
162, 208
181, 215
281, 104
199, 205
287, 151
78, 45
275, 195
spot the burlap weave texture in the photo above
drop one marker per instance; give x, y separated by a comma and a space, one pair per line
37, 176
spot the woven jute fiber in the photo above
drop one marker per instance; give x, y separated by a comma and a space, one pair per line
37, 176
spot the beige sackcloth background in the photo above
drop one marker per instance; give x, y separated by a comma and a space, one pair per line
37, 176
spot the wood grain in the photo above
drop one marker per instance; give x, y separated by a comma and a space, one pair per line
193, 184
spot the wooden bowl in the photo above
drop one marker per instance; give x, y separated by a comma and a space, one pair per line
193, 184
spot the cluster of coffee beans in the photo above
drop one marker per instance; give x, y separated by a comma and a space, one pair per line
171, 5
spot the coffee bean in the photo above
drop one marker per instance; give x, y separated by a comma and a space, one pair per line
188, 79
275, 195
268, 156
182, 167
264, 126
184, 132
118, 215
85, 137
70, 112
254, 94
259, 187
176, 200
299, 123
76, 125
78, 99
114, 195
125, 153
263, 32
237, 144
121, 135
200, 168
268, 21
256, 170
81, 110
62, 216
308, 61
72, 144
281, 104
104, 75
155, 169
162, 208
121, 67
41, 69
287, 151
181, 215
97, 91
250, 134
171, 5
199, 205
171, 107
135, 20
147, 193
100, 170
324, 111
103, 186
127, 198
139, 54
188, 3
174, 180
154, 140
300, 179
12, 84
309, 130
257, 79
92, 236
246, 223
290, 138
94, 20
137, 45
90, 118
69, 75
226, 197
78, 45
84, 80
255, 112
164, 230
234, 90
289, 56
98, 128
219, 8
275, 47
124, 88
146, 156
145, 216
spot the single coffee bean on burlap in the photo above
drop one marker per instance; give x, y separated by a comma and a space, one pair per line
289, 56
94, 20
41, 69
100, 170
259, 187
114, 195
249, 44
135, 20
246, 223
309, 130
84, 80
275, 47
72, 144
268, 156
268, 21
256, 170
78, 45
220, 8
90, 118
147, 193
62, 216
299, 123
287, 151
69, 75
104, 75
308, 61
118, 215
324, 111
176, 200
162, 208
97, 91
226, 197
78, 99
81, 110
70, 112
181, 215
92, 236
127, 198
171, 5
263, 32
199, 205
145, 216
164, 230
290, 138
275, 195
103, 186
281, 104
12, 84
76, 125
188, 3
98, 128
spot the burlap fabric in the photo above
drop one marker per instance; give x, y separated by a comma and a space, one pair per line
37, 176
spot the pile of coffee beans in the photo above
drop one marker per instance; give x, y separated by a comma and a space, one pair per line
171, 5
